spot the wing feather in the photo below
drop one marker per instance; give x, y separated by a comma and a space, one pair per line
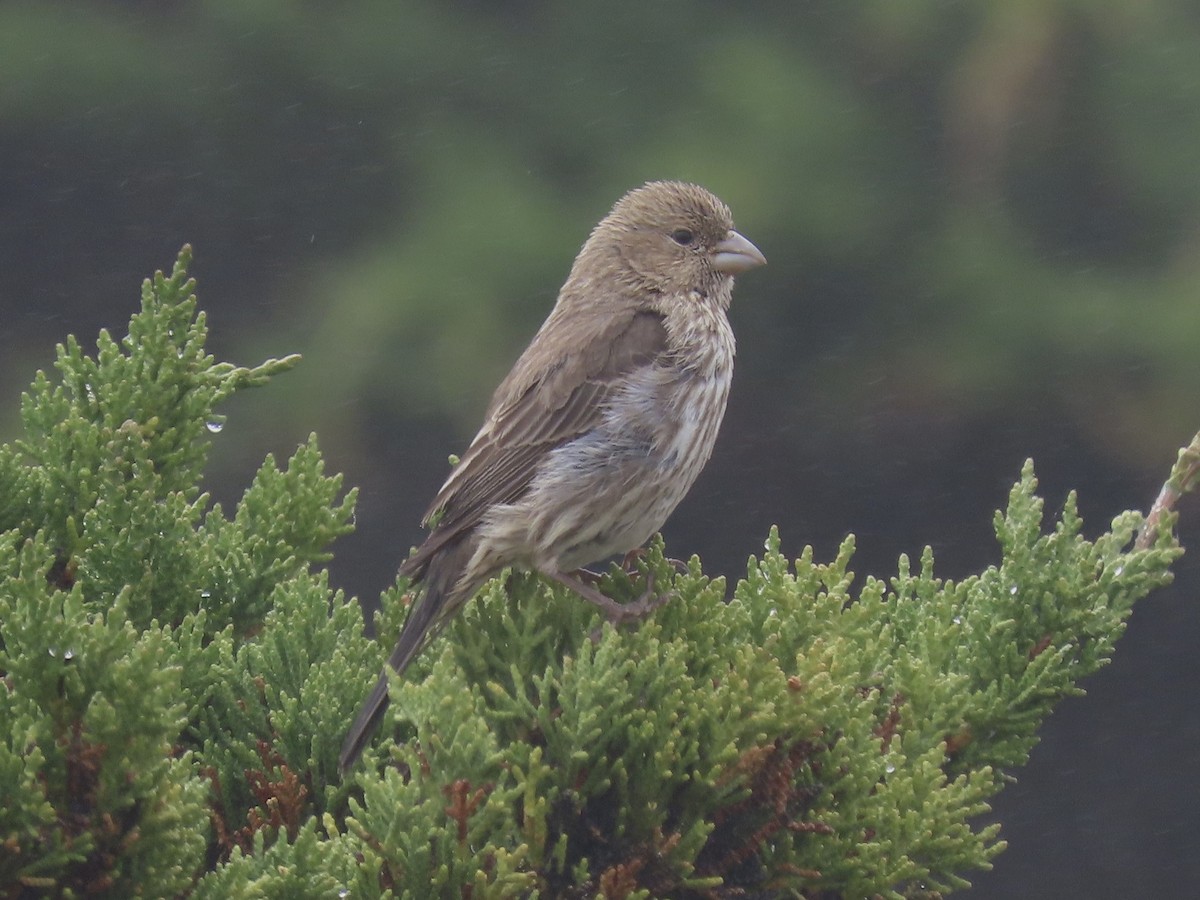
552, 409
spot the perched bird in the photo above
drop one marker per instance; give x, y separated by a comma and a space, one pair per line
602, 425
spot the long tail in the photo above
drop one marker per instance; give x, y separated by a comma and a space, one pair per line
444, 594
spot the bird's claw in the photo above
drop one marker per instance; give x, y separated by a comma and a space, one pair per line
630, 560
645, 604
616, 613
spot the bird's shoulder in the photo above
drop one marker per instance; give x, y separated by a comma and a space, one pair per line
581, 343
555, 392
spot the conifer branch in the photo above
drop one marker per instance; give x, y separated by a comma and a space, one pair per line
1181, 481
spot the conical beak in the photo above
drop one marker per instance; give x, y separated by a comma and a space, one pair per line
736, 254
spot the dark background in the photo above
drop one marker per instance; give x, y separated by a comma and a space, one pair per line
982, 221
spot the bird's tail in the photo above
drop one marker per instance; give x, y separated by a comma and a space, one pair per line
444, 592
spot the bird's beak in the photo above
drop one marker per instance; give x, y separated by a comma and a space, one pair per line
736, 254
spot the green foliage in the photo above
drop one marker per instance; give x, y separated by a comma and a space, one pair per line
94, 798
797, 738
306, 866
121, 595
176, 685
802, 738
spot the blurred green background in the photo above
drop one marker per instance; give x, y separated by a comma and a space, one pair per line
983, 227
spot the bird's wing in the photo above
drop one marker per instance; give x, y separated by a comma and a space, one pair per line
553, 408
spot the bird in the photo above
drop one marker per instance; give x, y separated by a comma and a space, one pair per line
600, 428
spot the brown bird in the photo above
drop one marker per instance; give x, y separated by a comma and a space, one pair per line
601, 426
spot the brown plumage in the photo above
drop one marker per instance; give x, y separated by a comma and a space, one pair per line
601, 426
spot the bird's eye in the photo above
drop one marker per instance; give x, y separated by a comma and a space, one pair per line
682, 236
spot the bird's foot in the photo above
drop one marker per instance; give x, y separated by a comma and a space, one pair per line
617, 613
630, 560
648, 602
677, 564
629, 566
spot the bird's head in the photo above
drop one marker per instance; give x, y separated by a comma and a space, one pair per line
671, 238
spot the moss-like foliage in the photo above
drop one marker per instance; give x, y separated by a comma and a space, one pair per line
176, 683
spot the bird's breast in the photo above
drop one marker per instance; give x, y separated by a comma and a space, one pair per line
699, 335
609, 489
677, 403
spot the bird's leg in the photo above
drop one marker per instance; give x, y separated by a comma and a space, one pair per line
587, 576
647, 602
610, 607
628, 565
678, 565
630, 560
617, 613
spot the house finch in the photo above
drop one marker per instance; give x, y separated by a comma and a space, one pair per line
601, 426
